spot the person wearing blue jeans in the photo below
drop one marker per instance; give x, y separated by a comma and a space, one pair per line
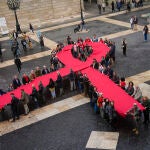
145, 32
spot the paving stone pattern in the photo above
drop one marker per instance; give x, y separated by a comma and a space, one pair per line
70, 131
95, 27
126, 17
7, 53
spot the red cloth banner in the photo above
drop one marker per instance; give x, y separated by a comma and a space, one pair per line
122, 101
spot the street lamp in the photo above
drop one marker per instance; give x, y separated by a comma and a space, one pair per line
82, 19
14, 5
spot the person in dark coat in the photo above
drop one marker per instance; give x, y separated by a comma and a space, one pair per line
128, 6
16, 82
2, 92
24, 44
95, 64
35, 96
130, 88
51, 86
113, 6
41, 89
18, 63
1, 54
31, 28
41, 41
59, 83
124, 46
86, 84
25, 99
14, 107
112, 52
45, 70
145, 32
80, 82
15, 34
146, 104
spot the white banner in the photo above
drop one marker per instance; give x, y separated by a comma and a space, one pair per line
3, 26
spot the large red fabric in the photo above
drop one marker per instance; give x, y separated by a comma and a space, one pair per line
122, 101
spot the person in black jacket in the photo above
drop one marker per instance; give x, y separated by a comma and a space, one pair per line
16, 82
52, 88
59, 82
95, 64
18, 63
1, 54
124, 46
45, 70
14, 107
41, 89
25, 79
2, 92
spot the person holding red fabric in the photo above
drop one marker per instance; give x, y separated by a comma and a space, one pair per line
130, 88
122, 83
80, 40
14, 107
134, 112
25, 79
32, 75
99, 104
16, 82
101, 40
87, 40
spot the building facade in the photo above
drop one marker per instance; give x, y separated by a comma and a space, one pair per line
39, 12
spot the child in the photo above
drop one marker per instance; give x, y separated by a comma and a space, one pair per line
29, 43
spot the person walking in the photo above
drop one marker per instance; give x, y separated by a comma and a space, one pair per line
135, 21
124, 46
131, 22
29, 43
18, 63
83, 25
25, 99
1, 54
145, 32
113, 6
14, 107
99, 5
103, 6
31, 28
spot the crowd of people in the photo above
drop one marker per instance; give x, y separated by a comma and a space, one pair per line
117, 5
134, 22
77, 81
24, 40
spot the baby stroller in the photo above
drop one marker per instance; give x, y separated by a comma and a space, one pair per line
77, 29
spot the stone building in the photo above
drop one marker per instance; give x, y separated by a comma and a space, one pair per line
39, 12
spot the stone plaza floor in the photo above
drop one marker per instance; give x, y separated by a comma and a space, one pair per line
68, 124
